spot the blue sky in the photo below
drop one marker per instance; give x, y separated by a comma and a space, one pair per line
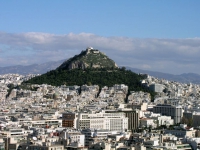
127, 31
143, 19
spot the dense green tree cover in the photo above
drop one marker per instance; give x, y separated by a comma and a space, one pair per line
10, 88
100, 76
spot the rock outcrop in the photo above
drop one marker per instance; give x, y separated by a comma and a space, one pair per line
89, 58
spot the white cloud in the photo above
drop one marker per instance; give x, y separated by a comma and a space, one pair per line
167, 55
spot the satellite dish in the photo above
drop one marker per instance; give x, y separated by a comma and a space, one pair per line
34, 138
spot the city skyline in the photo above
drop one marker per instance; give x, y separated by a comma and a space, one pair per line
152, 35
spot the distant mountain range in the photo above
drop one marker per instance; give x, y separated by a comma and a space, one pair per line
183, 78
45, 67
31, 69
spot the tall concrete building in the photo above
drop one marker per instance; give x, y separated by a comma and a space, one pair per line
68, 120
156, 87
193, 118
175, 112
132, 115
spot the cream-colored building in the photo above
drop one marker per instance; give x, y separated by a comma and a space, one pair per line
102, 120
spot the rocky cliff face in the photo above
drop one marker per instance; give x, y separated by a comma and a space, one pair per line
89, 58
77, 64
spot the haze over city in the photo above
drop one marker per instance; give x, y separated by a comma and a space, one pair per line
153, 35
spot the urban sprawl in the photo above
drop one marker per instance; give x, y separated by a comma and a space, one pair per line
88, 118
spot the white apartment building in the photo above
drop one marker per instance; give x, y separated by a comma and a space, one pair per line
3, 93
43, 123
102, 120
73, 137
120, 87
165, 120
93, 135
160, 120
15, 131
147, 122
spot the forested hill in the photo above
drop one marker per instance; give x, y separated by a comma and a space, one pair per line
91, 76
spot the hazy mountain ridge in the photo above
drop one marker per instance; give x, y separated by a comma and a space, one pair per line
45, 67
183, 78
31, 69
